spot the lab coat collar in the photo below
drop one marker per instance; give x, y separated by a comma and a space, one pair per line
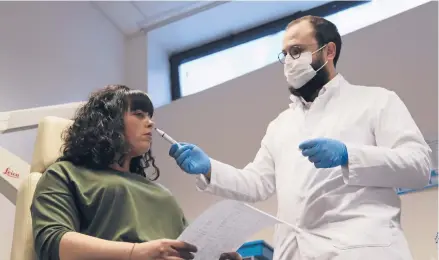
335, 82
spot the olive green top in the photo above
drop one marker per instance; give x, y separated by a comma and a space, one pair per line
107, 204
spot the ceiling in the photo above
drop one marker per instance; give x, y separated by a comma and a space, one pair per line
131, 16
180, 25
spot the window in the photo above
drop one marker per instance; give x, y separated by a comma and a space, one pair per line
223, 59
228, 64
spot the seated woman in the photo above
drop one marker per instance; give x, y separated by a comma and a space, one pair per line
99, 200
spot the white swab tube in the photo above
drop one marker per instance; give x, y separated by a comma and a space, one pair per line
166, 136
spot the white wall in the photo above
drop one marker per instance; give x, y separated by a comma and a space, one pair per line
228, 121
147, 67
136, 64
420, 222
159, 81
51, 53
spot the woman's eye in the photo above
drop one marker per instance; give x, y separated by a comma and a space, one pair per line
139, 114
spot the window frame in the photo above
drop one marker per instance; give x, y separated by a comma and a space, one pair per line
177, 59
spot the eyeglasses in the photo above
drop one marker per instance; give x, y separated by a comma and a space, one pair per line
295, 52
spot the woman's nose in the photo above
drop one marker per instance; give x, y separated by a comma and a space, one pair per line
150, 123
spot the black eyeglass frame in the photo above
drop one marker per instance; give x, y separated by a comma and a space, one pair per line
282, 55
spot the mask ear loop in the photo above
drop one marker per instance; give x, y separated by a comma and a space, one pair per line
319, 49
326, 60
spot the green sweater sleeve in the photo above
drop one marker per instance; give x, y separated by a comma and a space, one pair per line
185, 223
53, 212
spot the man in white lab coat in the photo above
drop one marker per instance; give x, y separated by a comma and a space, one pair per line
334, 158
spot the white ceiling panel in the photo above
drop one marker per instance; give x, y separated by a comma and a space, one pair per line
131, 16
124, 15
155, 8
192, 23
159, 14
224, 20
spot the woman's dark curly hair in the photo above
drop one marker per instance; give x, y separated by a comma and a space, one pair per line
96, 138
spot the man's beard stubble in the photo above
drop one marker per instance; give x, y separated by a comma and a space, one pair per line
311, 89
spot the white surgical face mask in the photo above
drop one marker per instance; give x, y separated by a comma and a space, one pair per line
299, 71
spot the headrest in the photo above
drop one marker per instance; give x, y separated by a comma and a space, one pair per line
48, 142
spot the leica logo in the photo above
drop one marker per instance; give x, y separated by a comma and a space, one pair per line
9, 172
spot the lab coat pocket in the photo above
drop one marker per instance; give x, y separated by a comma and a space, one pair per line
373, 237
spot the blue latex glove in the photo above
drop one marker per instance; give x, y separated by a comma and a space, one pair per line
325, 153
190, 158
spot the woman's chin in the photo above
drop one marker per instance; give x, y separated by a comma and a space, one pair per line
141, 151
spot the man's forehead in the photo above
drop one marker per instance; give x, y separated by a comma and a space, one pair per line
299, 33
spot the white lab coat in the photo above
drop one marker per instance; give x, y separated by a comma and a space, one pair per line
344, 213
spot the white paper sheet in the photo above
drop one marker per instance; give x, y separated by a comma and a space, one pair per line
224, 227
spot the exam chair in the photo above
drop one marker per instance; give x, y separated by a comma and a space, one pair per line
46, 150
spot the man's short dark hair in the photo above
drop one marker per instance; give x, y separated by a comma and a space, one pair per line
325, 32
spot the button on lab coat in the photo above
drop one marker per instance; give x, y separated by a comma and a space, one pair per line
350, 212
